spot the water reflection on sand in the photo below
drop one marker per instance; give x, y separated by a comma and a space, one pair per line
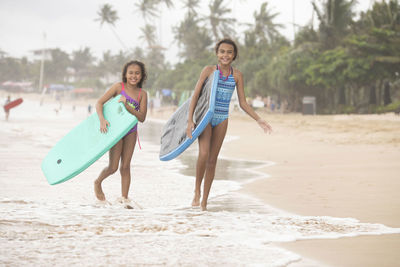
63, 225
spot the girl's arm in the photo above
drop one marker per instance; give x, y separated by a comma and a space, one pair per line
245, 106
203, 76
113, 91
141, 114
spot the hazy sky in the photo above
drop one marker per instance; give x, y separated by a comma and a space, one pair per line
70, 24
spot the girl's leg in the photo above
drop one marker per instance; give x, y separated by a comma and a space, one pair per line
217, 138
114, 155
128, 147
204, 149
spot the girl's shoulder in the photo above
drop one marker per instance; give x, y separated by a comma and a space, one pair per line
117, 87
236, 71
209, 69
144, 92
237, 74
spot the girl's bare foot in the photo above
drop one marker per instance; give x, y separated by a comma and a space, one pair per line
203, 205
98, 191
124, 200
196, 200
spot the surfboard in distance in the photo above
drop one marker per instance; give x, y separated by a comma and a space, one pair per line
173, 139
84, 144
13, 104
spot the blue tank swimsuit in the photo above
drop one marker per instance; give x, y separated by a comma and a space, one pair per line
225, 89
133, 103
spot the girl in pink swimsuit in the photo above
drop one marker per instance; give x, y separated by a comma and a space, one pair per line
130, 89
132, 103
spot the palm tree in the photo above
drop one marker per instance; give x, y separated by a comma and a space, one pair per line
191, 6
193, 38
56, 68
147, 8
149, 35
335, 19
385, 15
106, 67
221, 26
82, 61
109, 16
265, 29
138, 53
168, 3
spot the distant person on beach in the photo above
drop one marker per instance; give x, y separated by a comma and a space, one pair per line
89, 109
8, 100
210, 141
135, 100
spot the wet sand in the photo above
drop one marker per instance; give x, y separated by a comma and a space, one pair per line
341, 166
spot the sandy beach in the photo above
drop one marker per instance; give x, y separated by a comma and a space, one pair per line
337, 165
342, 166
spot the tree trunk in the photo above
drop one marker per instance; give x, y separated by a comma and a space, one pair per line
342, 96
332, 105
372, 95
379, 96
386, 94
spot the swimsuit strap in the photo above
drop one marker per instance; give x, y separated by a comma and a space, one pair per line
137, 132
140, 90
219, 69
220, 72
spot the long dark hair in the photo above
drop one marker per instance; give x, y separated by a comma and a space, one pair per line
232, 43
142, 68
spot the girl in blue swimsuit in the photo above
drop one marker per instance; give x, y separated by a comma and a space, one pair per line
135, 101
211, 139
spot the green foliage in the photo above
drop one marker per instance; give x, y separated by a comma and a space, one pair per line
338, 62
346, 109
185, 75
393, 107
12, 69
192, 38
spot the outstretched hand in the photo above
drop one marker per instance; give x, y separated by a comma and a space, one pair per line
265, 126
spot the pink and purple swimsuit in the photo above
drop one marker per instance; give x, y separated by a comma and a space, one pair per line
131, 102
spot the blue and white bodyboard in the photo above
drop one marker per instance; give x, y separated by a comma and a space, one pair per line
173, 139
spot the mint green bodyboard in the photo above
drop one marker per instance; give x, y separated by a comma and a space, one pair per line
85, 144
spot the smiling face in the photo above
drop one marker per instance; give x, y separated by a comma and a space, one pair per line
133, 75
225, 54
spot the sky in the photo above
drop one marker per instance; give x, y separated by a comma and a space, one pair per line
70, 24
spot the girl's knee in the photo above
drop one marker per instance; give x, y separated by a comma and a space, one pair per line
211, 163
203, 154
124, 170
112, 169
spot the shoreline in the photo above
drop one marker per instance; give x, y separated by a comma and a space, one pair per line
364, 136
332, 165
